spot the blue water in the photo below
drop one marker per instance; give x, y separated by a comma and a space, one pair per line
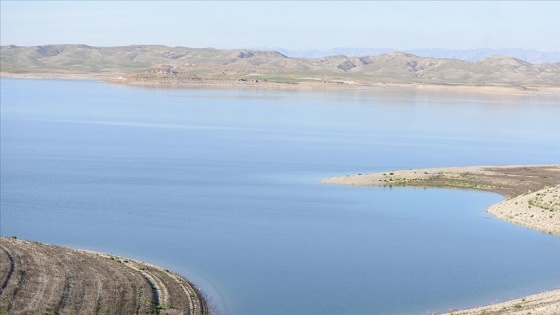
221, 186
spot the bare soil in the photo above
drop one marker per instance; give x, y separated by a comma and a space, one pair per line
48, 279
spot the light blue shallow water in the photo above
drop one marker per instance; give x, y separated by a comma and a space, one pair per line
221, 186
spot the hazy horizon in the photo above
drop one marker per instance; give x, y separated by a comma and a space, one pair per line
293, 26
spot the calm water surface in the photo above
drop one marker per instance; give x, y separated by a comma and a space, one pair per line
221, 186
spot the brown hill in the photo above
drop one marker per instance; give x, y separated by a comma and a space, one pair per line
180, 63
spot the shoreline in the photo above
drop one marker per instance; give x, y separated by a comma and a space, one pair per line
532, 199
296, 85
543, 303
531, 191
336, 86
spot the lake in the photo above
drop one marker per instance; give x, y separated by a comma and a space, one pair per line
222, 187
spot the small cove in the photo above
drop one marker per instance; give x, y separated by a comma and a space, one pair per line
221, 186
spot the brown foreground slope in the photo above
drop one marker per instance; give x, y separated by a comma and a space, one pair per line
47, 279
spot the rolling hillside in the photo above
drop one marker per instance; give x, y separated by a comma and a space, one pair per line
180, 63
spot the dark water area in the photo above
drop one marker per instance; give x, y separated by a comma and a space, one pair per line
222, 187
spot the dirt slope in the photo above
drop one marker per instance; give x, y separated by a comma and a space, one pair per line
48, 279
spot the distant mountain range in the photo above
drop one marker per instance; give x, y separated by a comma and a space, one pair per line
150, 62
529, 55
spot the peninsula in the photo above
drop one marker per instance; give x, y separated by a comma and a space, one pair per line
532, 199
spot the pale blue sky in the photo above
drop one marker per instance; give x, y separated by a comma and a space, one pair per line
292, 25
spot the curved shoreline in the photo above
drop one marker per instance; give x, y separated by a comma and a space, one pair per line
532, 191
532, 199
38, 278
128, 79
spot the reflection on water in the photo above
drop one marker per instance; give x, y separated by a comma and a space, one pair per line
222, 187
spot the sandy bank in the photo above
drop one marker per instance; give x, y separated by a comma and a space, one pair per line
328, 84
296, 85
545, 303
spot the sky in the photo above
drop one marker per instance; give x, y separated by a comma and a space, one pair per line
294, 25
